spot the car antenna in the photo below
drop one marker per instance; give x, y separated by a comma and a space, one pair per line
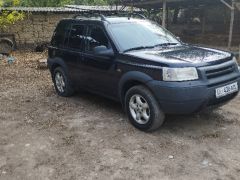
103, 18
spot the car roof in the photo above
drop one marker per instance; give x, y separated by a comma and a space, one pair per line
115, 20
108, 20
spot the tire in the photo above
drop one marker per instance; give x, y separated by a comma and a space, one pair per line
66, 89
6, 46
151, 116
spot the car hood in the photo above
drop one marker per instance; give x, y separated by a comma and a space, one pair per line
181, 54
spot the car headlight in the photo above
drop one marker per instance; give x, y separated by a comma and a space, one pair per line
180, 74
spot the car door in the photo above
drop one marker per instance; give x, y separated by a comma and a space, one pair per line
100, 69
59, 41
74, 52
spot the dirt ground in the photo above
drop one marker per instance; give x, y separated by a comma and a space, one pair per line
44, 136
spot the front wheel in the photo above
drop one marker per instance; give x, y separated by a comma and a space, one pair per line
143, 109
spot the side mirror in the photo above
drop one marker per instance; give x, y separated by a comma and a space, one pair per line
103, 51
178, 38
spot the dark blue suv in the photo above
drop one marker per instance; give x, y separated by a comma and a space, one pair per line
141, 65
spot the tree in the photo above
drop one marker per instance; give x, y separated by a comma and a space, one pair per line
57, 3
96, 2
90, 2
45, 3
10, 17
7, 17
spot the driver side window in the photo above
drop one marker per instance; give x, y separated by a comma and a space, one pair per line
76, 36
96, 37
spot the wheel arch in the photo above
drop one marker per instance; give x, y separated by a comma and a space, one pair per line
131, 79
57, 62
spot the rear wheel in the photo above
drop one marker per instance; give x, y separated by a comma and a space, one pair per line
62, 83
143, 109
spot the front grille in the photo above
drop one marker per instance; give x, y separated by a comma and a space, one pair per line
214, 73
227, 69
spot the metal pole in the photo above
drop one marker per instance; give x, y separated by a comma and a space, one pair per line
231, 24
164, 13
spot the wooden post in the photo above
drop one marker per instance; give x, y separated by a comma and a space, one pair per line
175, 16
116, 5
232, 8
167, 22
164, 13
132, 7
231, 24
239, 54
203, 21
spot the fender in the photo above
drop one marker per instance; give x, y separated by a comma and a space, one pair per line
132, 76
53, 62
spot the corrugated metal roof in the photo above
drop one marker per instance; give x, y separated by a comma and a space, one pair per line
67, 8
170, 3
40, 9
97, 8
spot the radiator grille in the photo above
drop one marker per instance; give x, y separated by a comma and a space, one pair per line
218, 72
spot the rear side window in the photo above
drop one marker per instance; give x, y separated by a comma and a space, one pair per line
76, 36
60, 33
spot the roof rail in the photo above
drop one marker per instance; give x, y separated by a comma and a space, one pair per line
89, 14
140, 15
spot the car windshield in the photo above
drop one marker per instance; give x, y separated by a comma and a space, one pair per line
141, 35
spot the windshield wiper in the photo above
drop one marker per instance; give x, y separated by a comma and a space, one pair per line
149, 47
166, 44
139, 48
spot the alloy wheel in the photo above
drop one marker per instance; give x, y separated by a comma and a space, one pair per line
139, 109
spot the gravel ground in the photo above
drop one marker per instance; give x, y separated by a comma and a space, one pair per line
43, 136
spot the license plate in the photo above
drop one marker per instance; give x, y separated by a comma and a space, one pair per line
225, 90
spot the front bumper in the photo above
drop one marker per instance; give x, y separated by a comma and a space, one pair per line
188, 97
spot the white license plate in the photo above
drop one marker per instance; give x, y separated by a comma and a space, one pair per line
225, 90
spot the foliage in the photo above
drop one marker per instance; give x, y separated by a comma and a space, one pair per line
92, 2
56, 3
8, 18
45, 3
